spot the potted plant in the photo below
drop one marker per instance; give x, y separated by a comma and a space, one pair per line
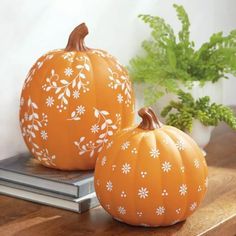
197, 117
172, 62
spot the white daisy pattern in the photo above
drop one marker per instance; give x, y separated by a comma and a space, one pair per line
44, 135
196, 163
95, 128
126, 168
120, 98
183, 189
166, 166
104, 159
180, 145
50, 101
125, 145
109, 186
121, 210
154, 152
80, 110
160, 210
68, 71
143, 192
76, 94
193, 206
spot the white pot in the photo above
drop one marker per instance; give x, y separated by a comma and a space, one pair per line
213, 90
200, 133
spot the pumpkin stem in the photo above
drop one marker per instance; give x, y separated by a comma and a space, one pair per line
150, 120
76, 39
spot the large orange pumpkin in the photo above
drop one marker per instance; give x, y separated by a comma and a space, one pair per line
152, 175
73, 101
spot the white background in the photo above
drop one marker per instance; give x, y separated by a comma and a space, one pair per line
30, 28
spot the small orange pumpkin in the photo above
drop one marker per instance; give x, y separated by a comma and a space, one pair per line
72, 102
152, 175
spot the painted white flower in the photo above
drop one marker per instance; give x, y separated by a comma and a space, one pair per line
80, 110
123, 194
125, 145
160, 210
104, 159
143, 174
193, 206
109, 186
76, 94
121, 210
196, 163
126, 168
180, 145
183, 189
68, 71
154, 152
95, 128
134, 151
178, 210
44, 135
120, 98
50, 101
199, 189
164, 193
143, 192
166, 166
139, 213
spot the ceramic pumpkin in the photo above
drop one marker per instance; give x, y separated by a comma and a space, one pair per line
152, 175
72, 102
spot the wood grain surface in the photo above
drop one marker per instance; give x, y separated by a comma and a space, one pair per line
216, 215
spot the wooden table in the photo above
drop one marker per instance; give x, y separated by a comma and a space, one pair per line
216, 215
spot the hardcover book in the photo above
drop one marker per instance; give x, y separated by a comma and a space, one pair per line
25, 170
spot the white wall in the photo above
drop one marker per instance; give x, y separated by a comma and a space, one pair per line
30, 28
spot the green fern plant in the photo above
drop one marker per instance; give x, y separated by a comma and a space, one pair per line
181, 113
172, 59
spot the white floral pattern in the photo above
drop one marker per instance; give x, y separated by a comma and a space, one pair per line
196, 163
126, 168
106, 127
166, 166
160, 210
62, 87
32, 124
183, 189
125, 145
109, 186
143, 192
76, 115
164, 192
121, 210
120, 83
180, 145
154, 153
193, 206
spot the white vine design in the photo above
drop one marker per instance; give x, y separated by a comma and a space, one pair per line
36, 67
31, 125
122, 82
62, 87
106, 126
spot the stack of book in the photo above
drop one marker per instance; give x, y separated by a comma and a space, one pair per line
23, 177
